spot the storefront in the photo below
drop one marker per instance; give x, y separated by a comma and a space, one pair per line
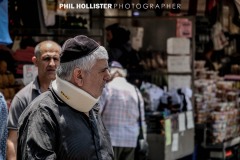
171, 39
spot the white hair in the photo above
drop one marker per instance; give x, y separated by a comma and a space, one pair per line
65, 70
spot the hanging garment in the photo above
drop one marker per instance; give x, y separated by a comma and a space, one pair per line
4, 36
219, 39
236, 9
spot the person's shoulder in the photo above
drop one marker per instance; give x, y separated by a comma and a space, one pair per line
25, 89
44, 103
45, 97
44, 100
47, 100
24, 92
120, 83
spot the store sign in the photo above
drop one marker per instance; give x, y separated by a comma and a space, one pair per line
178, 45
29, 73
184, 28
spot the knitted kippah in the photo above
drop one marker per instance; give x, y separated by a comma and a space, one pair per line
77, 47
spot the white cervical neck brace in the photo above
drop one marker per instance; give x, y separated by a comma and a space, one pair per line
73, 96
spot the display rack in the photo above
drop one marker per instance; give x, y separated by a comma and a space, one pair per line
217, 126
160, 146
229, 149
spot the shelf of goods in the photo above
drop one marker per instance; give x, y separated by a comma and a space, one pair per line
217, 109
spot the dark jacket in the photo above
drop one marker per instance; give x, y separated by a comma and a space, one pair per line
50, 129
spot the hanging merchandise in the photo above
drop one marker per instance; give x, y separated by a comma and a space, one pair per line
236, 9
170, 103
49, 12
212, 11
4, 36
184, 28
219, 39
175, 101
31, 14
151, 94
186, 95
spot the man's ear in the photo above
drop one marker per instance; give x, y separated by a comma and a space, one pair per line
77, 76
34, 60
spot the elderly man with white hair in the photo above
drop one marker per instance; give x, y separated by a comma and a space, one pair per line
120, 114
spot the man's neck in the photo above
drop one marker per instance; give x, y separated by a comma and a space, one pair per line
44, 84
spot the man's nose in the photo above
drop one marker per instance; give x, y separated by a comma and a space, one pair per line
52, 62
108, 76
